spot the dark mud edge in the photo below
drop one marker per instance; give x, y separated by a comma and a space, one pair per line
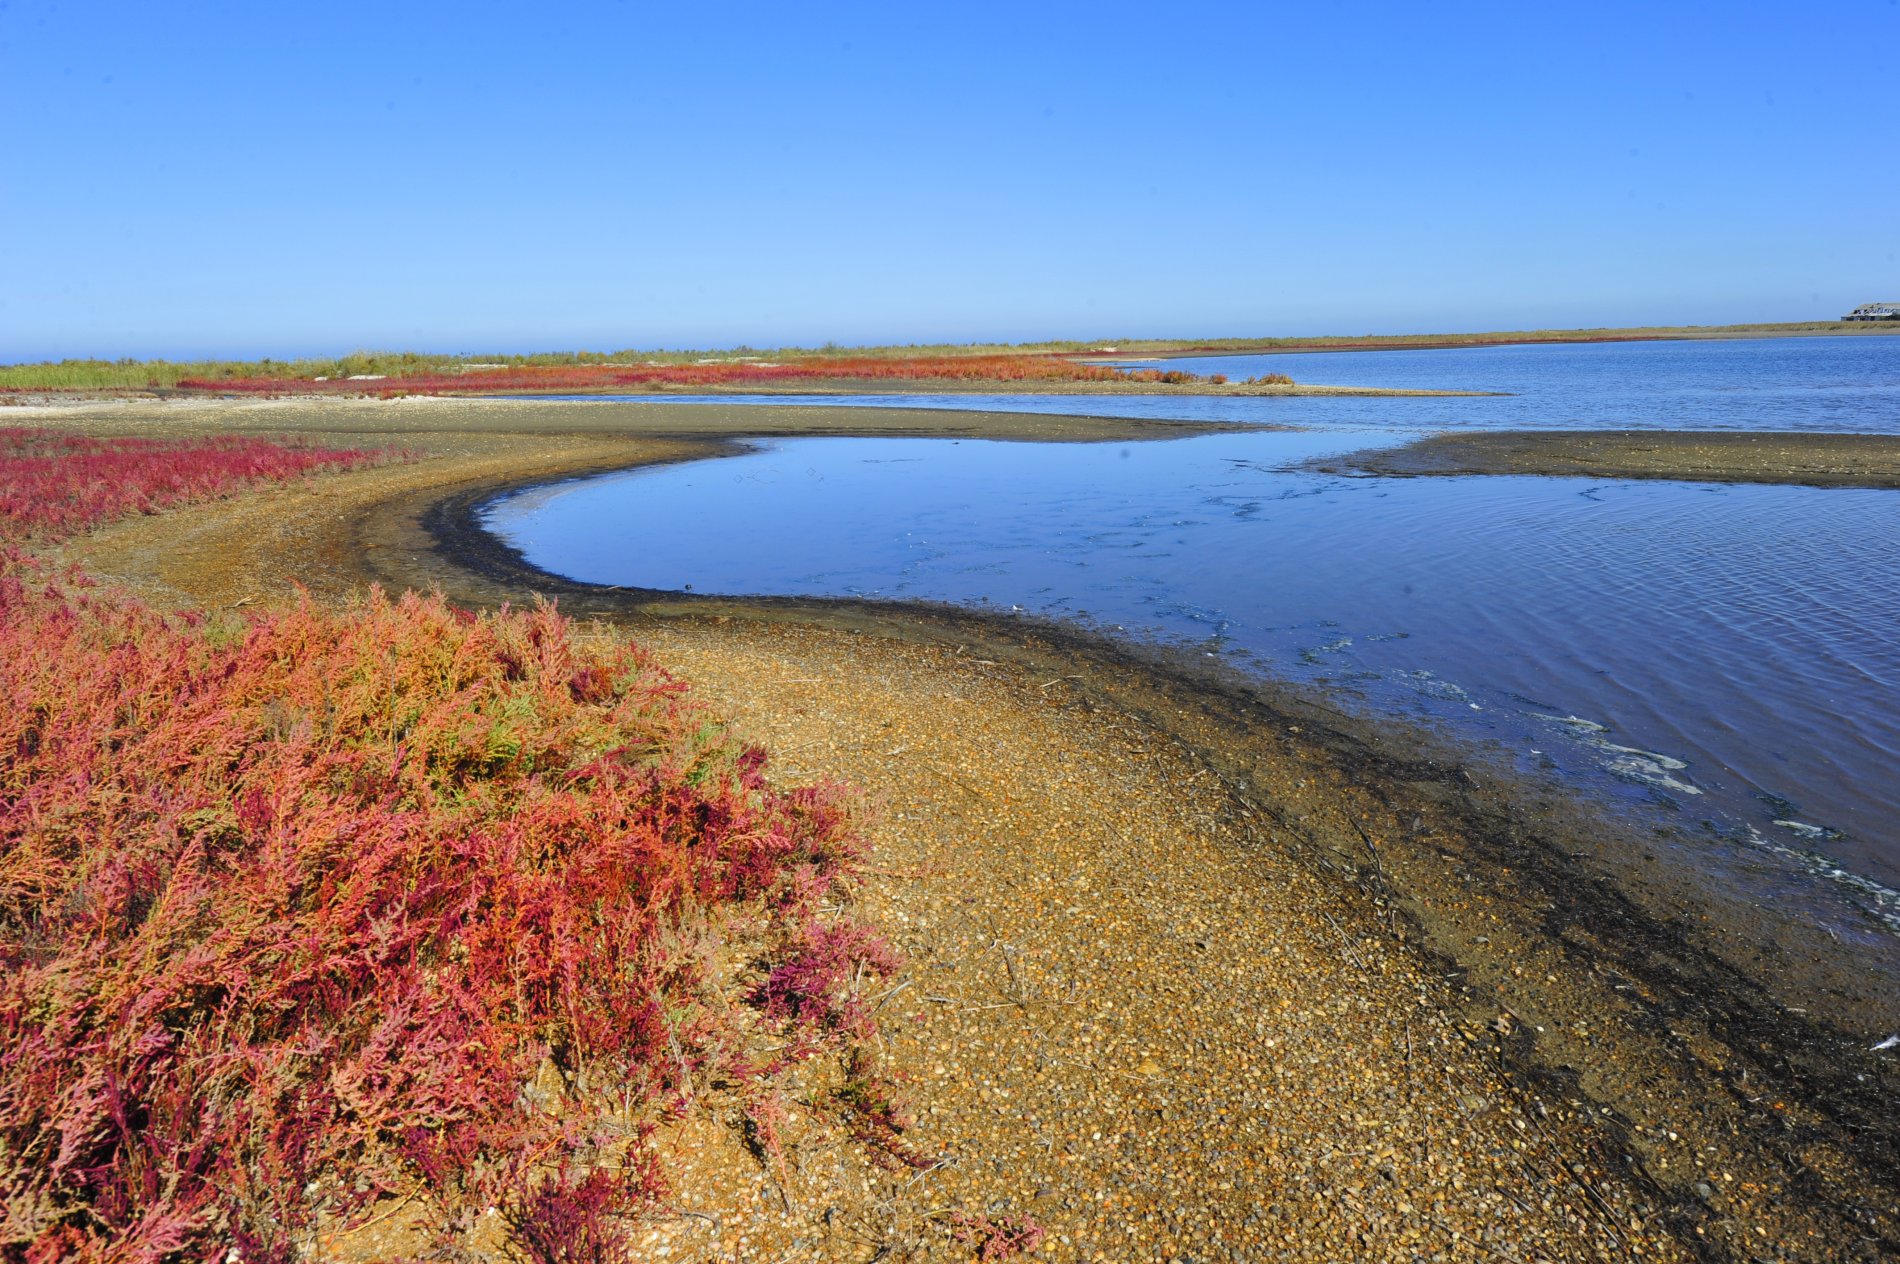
1447, 819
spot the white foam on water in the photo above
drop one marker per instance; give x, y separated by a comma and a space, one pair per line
1640, 766
1635, 764
1878, 901
1432, 685
1805, 830
1882, 903
1631, 763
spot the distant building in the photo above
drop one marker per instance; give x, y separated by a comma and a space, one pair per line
1874, 311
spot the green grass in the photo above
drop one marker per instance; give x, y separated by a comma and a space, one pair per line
140, 375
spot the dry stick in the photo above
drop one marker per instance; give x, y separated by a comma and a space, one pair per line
1455, 1237
673, 1043
1378, 866
888, 994
1609, 1215
1521, 1204
1126, 1075
405, 1201
681, 1213
1344, 943
1022, 1005
1281, 818
889, 1205
1021, 994
1601, 1205
1278, 817
860, 1231
1378, 872
958, 782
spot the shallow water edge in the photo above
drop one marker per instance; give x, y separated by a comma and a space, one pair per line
1546, 907
1213, 685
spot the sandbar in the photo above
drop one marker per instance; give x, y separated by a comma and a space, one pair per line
1705, 456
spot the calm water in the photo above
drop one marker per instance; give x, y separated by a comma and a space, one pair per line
1836, 384
1715, 654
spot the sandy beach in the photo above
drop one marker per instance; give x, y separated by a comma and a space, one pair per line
1199, 969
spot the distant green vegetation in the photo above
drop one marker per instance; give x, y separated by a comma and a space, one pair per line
128, 374
141, 375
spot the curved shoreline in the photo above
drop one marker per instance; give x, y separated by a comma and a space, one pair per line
1553, 852
1482, 878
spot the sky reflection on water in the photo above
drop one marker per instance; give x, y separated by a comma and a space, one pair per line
1732, 642
1841, 384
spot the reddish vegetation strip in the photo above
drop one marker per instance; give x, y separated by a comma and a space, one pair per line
330, 907
54, 484
990, 368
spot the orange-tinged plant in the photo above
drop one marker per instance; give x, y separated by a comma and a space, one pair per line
310, 911
1003, 1239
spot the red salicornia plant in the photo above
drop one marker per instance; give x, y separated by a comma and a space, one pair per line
316, 910
1003, 1239
1002, 370
54, 484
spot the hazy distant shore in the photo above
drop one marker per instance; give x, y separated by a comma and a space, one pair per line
1162, 349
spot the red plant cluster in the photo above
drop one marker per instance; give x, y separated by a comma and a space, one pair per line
814, 988
1003, 1239
324, 908
593, 377
54, 484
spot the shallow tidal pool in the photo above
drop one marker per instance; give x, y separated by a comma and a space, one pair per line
1721, 653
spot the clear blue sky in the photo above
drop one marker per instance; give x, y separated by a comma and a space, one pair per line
235, 179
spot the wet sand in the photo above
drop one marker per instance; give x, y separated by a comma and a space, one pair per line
1711, 456
1198, 968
